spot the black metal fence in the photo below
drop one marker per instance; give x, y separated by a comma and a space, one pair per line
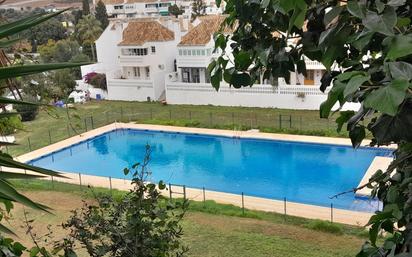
265, 122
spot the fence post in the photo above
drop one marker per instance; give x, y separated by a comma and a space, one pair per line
331, 213
50, 140
233, 119
52, 182
290, 121
80, 181
91, 119
110, 184
204, 195
243, 204
184, 192
28, 140
280, 121
284, 207
85, 124
68, 130
170, 191
256, 120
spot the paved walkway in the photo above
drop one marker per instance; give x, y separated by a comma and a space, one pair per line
255, 203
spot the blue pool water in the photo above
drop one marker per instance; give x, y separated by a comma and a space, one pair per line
301, 172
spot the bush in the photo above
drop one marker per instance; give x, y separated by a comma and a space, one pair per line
325, 226
27, 112
141, 223
9, 125
97, 80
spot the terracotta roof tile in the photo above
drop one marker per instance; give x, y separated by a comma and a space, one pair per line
113, 1
140, 32
203, 32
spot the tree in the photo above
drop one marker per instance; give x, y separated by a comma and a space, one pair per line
76, 59
175, 10
60, 51
85, 7
198, 8
62, 84
366, 47
89, 30
101, 14
50, 30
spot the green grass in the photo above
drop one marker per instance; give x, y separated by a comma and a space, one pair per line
213, 230
209, 206
104, 112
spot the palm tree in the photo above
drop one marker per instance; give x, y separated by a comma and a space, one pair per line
89, 30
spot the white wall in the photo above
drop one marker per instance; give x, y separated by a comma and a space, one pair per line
130, 89
81, 85
265, 96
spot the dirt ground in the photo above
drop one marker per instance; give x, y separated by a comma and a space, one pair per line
38, 3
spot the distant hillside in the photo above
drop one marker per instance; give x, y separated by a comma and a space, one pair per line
25, 4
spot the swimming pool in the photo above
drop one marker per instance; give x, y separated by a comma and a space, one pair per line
300, 172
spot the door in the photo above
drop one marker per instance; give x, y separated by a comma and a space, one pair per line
310, 78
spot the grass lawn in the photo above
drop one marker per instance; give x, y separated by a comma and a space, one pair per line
46, 128
209, 231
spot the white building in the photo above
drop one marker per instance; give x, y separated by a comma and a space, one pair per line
145, 8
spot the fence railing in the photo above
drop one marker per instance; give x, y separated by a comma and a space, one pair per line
265, 122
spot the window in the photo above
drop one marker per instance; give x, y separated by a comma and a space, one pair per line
180, 52
136, 71
138, 51
198, 52
130, 15
153, 49
189, 52
209, 52
203, 52
118, 7
147, 72
185, 52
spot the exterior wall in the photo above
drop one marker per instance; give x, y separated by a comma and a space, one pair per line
107, 56
81, 85
265, 96
130, 90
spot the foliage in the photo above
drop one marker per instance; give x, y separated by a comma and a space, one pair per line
50, 30
8, 125
8, 194
175, 10
198, 8
63, 83
85, 7
27, 112
76, 59
366, 47
98, 80
60, 51
88, 31
141, 224
101, 14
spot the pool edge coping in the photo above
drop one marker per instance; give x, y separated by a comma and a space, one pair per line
348, 216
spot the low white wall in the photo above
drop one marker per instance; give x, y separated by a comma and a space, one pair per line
265, 96
81, 85
130, 89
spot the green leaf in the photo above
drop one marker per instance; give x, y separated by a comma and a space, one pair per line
400, 70
343, 118
298, 17
7, 162
332, 14
243, 60
383, 23
354, 84
17, 71
6, 230
8, 43
240, 80
349, 74
335, 95
5, 100
399, 46
388, 98
216, 78
11, 193
357, 134
374, 232
363, 39
403, 22
396, 3
356, 9
264, 3
15, 27
14, 175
